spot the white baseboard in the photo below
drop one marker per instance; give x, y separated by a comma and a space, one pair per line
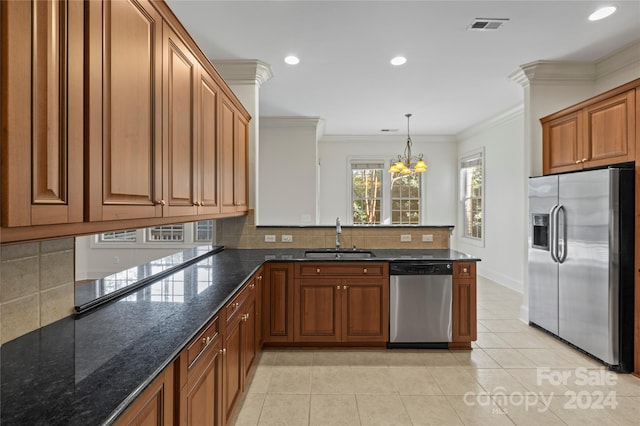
524, 314
502, 279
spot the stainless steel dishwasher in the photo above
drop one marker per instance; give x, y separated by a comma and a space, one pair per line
420, 304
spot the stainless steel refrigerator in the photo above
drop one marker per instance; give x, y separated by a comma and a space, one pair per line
581, 242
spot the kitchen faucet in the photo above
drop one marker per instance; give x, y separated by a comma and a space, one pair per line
338, 232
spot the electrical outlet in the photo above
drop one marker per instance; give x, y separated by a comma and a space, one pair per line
287, 238
269, 238
405, 238
427, 238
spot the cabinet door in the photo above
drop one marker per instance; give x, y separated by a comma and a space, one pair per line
227, 163
232, 368
240, 169
609, 131
42, 114
124, 47
180, 152
317, 310
562, 143
200, 404
154, 406
207, 143
365, 315
250, 326
278, 302
464, 302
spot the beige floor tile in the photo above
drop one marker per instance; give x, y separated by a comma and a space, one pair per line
527, 409
627, 385
407, 357
627, 411
415, 381
581, 411
478, 410
334, 410
539, 380
476, 358
373, 380
456, 381
378, 410
268, 357
520, 340
370, 358
249, 415
504, 325
441, 358
497, 381
492, 340
286, 410
547, 357
261, 378
290, 380
294, 358
430, 410
332, 380
329, 357
510, 358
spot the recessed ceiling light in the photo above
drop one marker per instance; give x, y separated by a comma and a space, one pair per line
292, 60
602, 13
398, 60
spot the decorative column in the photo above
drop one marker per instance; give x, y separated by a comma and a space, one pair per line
244, 77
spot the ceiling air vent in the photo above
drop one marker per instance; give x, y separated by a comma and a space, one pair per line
487, 24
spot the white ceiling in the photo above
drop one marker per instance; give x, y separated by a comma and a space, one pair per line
453, 78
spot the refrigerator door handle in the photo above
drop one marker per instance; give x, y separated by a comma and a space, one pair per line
562, 256
553, 230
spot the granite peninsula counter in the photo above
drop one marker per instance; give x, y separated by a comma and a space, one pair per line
86, 371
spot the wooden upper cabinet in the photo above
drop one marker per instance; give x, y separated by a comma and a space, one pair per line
42, 112
595, 133
207, 188
562, 146
234, 131
125, 113
610, 131
180, 69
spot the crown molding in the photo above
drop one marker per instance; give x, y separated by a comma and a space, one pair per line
244, 71
555, 72
628, 56
276, 122
498, 120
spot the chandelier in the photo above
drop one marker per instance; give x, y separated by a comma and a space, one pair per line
407, 164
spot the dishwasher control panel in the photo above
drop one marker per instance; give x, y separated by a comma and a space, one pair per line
421, 268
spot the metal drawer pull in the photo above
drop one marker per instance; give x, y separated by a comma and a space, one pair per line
344, 287
318, 271
223, 351
337, 287
365, 270
251, 286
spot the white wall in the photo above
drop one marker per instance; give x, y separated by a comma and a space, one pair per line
287, 174
504, 181
335, 152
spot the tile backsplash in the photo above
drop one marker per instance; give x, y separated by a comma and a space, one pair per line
36, 285
241, 232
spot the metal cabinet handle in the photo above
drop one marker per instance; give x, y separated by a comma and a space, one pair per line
161, 202
344, 287
317, 270
364, 270
337, 287
223, 351
252, 286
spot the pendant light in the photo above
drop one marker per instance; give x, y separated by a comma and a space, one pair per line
408, 164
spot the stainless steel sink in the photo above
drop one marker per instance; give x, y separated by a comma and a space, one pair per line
339, 254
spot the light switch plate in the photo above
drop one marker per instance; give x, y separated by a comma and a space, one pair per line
405, 238
287, 238
269, 238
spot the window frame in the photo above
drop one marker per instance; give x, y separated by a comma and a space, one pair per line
474, 155
385, 208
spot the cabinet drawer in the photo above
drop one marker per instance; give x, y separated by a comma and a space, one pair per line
340, 269
235, 305
203, 341
464, 269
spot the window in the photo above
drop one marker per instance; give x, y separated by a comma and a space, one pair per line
471, 195
203, 231
377, 199
405, 200
366, 185
125, 236
166, 233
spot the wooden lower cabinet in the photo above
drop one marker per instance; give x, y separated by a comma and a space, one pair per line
329, 308
154, 406
278, 302
464, 305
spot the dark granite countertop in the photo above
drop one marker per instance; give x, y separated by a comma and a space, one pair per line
86, 371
